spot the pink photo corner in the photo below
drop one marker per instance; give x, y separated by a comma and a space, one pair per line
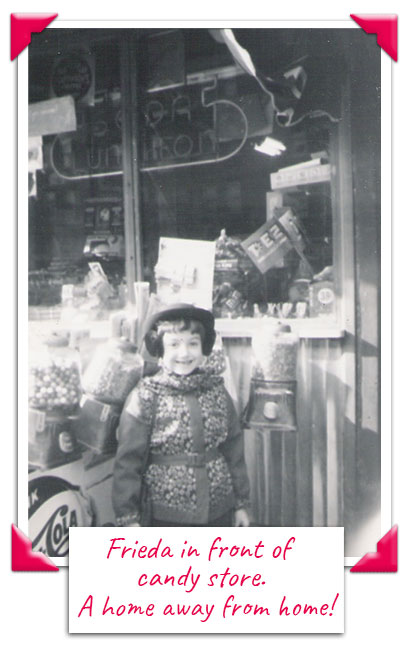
21, 27
23, 558
386, 557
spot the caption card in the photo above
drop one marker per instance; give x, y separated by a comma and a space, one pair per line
206, 580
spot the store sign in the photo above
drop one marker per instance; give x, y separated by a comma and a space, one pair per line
177, 127
74, 75
299, 176
54, 506
189, 125
95, 146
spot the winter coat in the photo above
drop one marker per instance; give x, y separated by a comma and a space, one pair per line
180, 435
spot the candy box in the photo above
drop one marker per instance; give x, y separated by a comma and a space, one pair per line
51, 439
96, 425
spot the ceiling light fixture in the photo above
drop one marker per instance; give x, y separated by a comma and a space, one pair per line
270, 146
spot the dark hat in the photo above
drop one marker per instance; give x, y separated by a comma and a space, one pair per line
179, 312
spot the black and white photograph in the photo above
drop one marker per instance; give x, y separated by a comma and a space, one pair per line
204, 279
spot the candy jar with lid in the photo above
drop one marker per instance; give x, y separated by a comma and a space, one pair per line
114, 370
54, 384
275, 349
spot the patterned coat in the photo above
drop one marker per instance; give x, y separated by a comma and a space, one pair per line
182, 433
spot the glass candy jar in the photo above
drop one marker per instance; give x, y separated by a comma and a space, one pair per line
275, 350
114, 370
54, 384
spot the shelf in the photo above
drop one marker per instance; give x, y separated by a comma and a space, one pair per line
40, 329
242, 327
305, 328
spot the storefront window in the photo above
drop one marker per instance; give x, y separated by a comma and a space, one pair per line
204, 122
76, 206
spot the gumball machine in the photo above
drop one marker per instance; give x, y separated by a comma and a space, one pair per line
272, 401
271, 414
54, 396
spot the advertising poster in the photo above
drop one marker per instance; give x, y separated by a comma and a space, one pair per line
319, 565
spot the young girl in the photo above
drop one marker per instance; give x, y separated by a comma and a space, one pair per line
179, 435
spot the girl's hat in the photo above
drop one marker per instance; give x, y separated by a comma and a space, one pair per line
180, 312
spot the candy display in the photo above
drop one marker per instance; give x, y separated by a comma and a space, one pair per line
235, 277
43, 289
272, 400
275, 350
114, 370
55, 379
45, 286
57, 386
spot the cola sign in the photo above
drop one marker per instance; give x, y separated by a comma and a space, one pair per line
54, 506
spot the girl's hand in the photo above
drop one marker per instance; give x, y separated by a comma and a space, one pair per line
241, 517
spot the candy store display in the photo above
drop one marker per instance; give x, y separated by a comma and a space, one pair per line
234, 278
114, 370
272, 400
55, 383
275, 350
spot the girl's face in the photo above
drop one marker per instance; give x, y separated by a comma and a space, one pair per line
182, 352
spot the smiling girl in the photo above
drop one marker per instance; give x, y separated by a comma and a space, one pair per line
179, 435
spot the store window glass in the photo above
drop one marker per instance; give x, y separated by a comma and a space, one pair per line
76, 197
233, 146
238, 150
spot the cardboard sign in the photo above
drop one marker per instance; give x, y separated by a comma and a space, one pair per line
267, 246
184, 271
52, 117
273, 240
